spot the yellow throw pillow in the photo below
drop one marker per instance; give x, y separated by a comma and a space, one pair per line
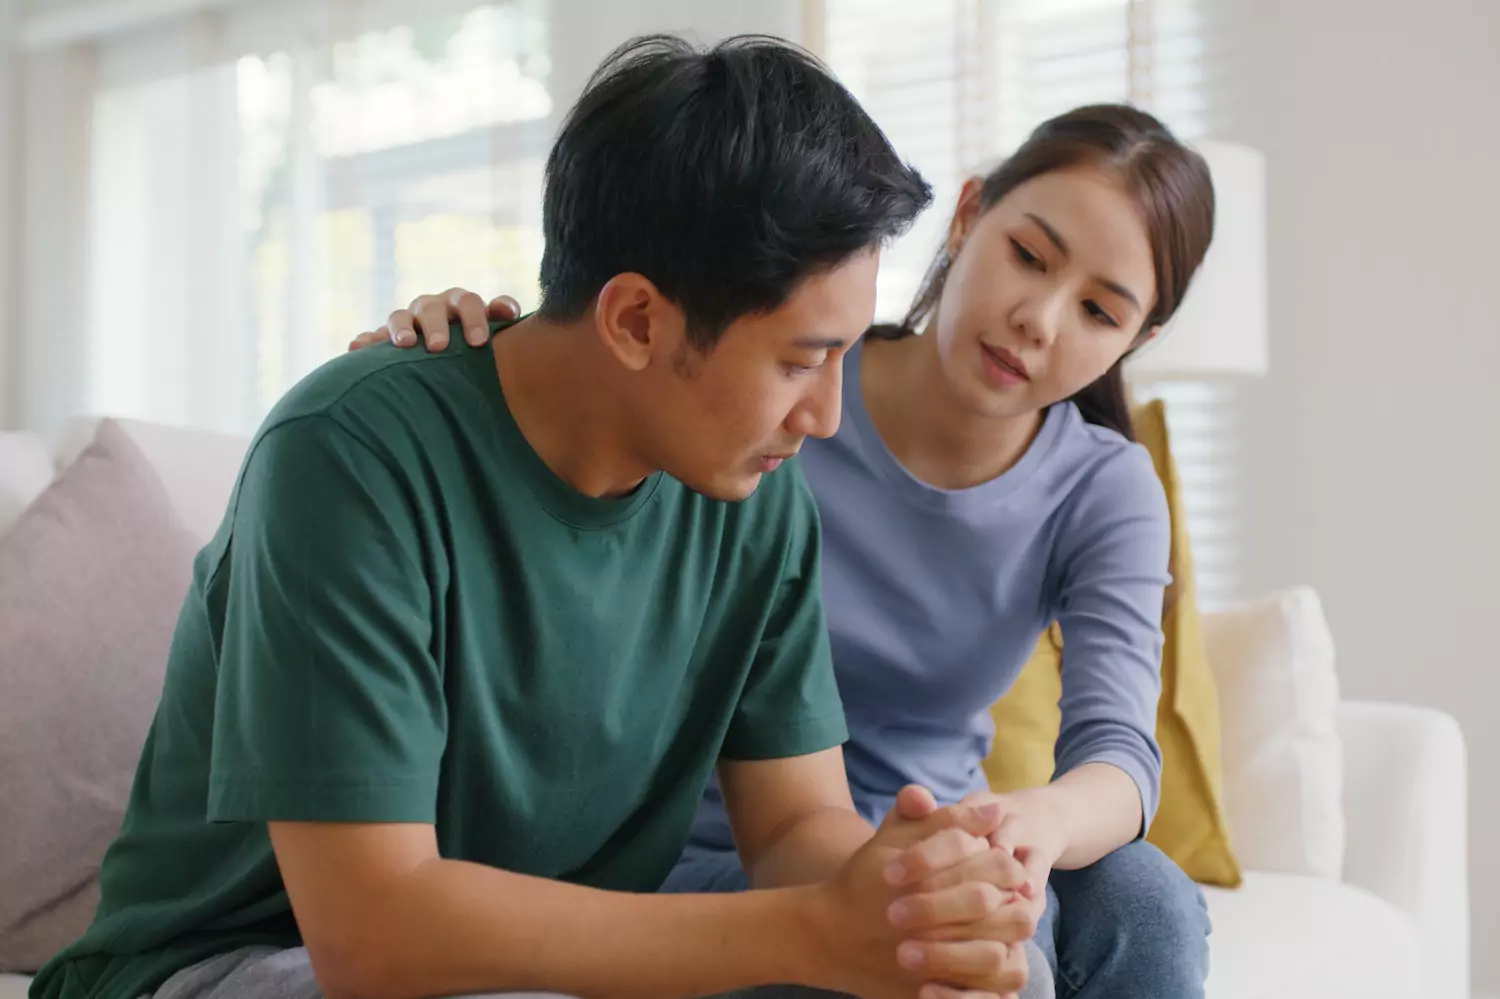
1190, 826
1027, 720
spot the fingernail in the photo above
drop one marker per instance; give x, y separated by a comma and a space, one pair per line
989, 811
898, 913
478, 334
909, 956
895, 872
405, 338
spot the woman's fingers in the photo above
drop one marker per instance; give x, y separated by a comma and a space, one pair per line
1009, 835
429, 317
370, 339
433, 314
504, 307
402, 327
468, 310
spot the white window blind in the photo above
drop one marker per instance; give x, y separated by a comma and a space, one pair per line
957, 84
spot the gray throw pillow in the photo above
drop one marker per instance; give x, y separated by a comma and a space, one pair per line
92, 577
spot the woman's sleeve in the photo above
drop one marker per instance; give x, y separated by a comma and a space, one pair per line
1113, 559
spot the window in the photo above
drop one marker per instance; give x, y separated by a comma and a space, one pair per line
292, 177
958, 83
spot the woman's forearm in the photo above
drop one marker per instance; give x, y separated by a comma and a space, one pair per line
1096, 809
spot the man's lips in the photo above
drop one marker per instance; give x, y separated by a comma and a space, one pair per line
770, 462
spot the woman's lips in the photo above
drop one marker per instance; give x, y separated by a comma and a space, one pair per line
1002, 366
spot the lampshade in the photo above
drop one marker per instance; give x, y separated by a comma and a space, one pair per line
1219, 330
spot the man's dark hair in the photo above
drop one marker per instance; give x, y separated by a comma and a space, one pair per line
725, 176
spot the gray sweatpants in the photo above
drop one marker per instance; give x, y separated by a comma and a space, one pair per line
268, 973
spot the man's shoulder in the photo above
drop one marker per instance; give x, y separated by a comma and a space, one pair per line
379, 422
368, 380
401, 404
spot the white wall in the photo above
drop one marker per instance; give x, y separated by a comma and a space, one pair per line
1375, 442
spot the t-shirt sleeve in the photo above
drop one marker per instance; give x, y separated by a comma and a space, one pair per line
1114, 561
790, 705
329, 705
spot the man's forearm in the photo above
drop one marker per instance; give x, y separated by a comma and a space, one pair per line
812, 850
457, 928
1097, 808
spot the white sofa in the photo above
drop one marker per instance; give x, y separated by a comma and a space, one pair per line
1395, 924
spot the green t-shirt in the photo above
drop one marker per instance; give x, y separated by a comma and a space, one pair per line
407, 617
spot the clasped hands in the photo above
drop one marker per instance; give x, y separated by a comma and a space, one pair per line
932, 905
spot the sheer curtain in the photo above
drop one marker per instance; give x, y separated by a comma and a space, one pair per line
257, 183
959, 83
220, 193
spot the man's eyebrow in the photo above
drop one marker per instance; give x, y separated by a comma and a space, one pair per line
819, 342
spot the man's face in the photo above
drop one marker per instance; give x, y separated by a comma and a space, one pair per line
721, 420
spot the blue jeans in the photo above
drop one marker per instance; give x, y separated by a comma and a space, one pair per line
1130, 925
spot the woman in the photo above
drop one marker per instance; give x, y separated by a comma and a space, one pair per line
984, 484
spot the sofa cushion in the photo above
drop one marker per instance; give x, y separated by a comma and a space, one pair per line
1285, 936
92, 577
198, 468
25, 470
1273, 661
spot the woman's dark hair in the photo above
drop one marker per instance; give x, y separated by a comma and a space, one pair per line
1171, 186
726, 176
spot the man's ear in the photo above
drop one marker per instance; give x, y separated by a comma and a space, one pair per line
635, 321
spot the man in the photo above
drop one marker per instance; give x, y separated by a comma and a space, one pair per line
441, 704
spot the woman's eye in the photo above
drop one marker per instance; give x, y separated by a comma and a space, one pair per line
1024, 255
1095, 310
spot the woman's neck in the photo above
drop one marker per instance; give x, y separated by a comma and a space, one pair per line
936, 438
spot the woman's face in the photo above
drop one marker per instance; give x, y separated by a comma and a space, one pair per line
1047, 290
